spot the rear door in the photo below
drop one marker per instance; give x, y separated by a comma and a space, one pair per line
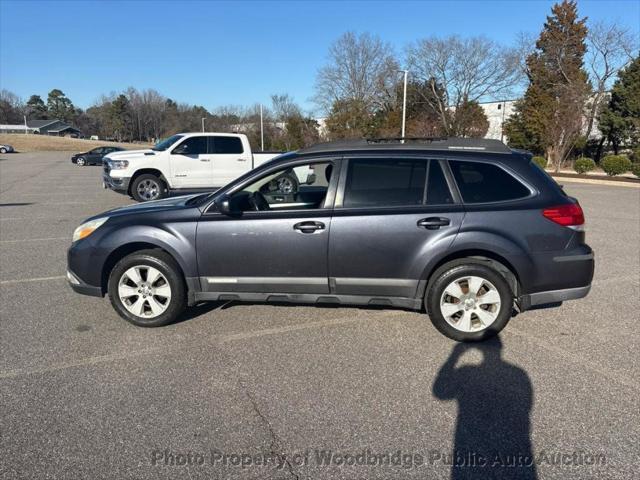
95, 155
191, 165
392, 214
230, 160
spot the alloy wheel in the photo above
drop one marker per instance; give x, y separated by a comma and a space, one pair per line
470, 304
144, 291
148, 189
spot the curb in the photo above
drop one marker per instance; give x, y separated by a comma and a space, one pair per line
595, 181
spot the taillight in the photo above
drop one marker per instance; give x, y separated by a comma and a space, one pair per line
569, 215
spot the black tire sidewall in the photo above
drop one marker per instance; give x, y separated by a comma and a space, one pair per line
165, 264
162, 188
444, 277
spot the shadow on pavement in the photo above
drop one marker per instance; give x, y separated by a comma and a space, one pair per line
492, 436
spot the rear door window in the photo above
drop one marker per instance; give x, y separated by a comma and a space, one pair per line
385, 182
225, 145
482, 182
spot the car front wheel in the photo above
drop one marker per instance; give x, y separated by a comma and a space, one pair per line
3, 150
146, 288
469, 302
81, 162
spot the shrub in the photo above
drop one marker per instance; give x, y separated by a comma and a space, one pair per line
584, 165
635, 169
541, 161
615, 164
635, 155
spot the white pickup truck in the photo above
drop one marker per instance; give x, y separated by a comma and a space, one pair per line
186, 161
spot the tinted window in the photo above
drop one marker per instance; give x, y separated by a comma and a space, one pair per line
97, 150
163, 145
193, 146
437, 189
227, 145
384, 183
482, 182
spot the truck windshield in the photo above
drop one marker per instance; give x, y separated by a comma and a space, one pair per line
166, 143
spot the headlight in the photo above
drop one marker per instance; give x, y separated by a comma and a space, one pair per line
118, 164
87, 228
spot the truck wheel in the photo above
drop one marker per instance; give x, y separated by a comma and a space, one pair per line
469, 302
148, 187
81, 162
146, 288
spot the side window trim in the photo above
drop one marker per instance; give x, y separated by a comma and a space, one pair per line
451, 181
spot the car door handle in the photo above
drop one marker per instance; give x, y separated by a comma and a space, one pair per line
205, 159
242, 159
309, 227
434, 223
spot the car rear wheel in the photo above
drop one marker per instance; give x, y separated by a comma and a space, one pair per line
81, 162
148, 187
146, 288
469, 302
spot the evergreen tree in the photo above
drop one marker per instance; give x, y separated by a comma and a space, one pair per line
59, 106
550, 115
620, 119
36, 109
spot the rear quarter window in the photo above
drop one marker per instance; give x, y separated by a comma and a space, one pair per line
482, 183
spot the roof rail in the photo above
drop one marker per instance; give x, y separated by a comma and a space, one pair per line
413, 143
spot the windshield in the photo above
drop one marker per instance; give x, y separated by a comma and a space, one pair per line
166, 143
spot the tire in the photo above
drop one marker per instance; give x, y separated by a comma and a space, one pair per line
3, 150
81, 162
468, 317
147, 187
144, 303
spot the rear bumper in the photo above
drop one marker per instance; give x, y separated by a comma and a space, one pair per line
120, 185
552, 297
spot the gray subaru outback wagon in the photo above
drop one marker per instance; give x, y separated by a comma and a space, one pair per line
469, 231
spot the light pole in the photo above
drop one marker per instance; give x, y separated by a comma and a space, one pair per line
261, 130
203, 118
404, 103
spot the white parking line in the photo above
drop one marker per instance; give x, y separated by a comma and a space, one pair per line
28, 280
49, 239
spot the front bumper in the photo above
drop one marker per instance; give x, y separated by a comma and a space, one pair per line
120, 185
79, 286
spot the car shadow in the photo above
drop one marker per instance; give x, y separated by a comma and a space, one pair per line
14, 204
493, 426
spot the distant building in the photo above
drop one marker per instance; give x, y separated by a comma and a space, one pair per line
497, 113
56, 128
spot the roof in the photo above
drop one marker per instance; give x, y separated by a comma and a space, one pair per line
413, 144
63, 127
41, 123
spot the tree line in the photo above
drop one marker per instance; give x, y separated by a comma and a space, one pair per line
575, 76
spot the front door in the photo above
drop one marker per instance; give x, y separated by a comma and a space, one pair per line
190, 163
386, 225
276, 242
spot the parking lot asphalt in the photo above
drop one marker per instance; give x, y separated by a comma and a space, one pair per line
83, 394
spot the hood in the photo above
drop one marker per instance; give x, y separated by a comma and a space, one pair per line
129, 154
166, 204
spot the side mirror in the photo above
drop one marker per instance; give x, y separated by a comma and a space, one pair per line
180, 150
225, 206
311, 179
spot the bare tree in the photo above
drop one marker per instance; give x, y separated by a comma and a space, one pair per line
462, 70
610, 48
360, 68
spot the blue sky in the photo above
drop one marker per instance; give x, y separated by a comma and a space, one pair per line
220, 53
